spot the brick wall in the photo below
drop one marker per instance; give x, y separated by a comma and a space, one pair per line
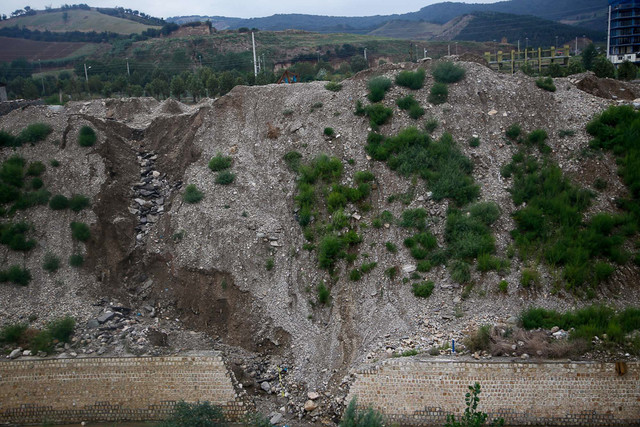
110, 389
413, 392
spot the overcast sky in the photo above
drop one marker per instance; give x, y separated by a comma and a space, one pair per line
245, 8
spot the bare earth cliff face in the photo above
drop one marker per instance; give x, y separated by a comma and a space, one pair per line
197, 272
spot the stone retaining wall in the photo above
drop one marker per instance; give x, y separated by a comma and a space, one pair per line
112, 389
414, 392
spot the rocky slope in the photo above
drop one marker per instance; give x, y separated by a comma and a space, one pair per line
179, 276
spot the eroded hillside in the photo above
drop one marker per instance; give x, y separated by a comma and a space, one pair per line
235, 271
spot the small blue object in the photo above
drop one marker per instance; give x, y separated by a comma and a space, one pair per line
453, 346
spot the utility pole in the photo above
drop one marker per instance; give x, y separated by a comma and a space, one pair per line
425, 53
456, 48
41, 76
128, 72
86, 76
255, 64
365, 53
576, 51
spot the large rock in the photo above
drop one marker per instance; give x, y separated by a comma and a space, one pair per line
105, 317
310, 405
313, 395
15, 353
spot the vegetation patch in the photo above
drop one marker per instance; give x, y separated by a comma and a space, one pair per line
550, 222
225, 178
13, 194
324, 294
51, 262
423, 289
333, 86
438, 94
14, 236
448, 72
409, 103
87, 136
219, 163
293, 159
586, 323
16, 274
411, 79
378, 114
80, 231
546, 83
378, 86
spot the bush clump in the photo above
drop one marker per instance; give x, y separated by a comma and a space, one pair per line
448, 72
354, 417
514, 131
378, 86
201, 414
78, 202
59, 202
423, 289
219, 163
292, 159
76, 260
14, 236
80, 231
51, 262
546, 83
324, 294
13, 333
35, 132
87, 136
192, 194
333, 86
411, 79
329, 132
378, 114
438, 94
410, 104
16, 274
225, 178
35, 168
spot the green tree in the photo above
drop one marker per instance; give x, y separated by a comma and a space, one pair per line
195, 86
358, 63
178, 87
213, 86
627, 71
602, 67
588, 56
226, 82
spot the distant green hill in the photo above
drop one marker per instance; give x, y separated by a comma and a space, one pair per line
588, 13
76, 20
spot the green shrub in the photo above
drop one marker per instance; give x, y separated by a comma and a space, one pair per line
414, 218
200, 414
12, 171
480, 340
54, 163
8, 140
16, 274
87, 136
378, 114
323, 294
78, 202
468, 236
36, 183
51, 262
61, 329
411, 79
363, 176
35, 168
329, 132
460, 271
529, 277
472, 417
13, 333
487, 262
474, 142
269, 264
600, 184
354, 417
438, 94
503, 286
514, 131
42, 341
378, 86
76, 260
448, 72
80, 231
355, 275
333, 86
423, 289
219, 163
563, 133
59, 202
367, 267
225, 178
391, 272
546, 83
431, 125
292, 159
192, 194
35, 132
603, 68
391, 247
331, 248
14, 236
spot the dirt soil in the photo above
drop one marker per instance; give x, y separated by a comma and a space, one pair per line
196, 277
